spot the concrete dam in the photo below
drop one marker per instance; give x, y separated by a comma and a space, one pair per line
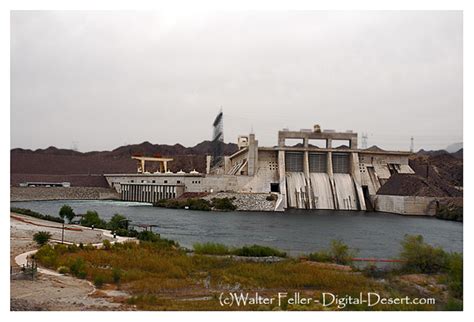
307, 169
319, 189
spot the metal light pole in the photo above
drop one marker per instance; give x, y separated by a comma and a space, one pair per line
62, 234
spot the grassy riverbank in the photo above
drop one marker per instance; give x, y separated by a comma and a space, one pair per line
160, 276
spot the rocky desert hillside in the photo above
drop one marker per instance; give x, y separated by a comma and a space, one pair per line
86, 169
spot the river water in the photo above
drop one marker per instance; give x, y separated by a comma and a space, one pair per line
295, 231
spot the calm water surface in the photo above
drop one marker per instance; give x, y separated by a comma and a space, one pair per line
295, 231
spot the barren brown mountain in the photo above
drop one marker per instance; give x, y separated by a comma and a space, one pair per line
86, 169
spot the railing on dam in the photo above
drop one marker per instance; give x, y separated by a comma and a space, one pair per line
151, 193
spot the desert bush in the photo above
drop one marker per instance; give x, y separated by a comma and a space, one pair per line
341, 253
28, 212
321, 256
42, 237
107, 245
453, 305
454, 269
211, 248
77, 266
82, 274
63, 270
126, 233
99, 281
156, 240
420, 257
258, 251
148, 236
450, 212
116, 275
61, 249
338, 252
47, 256
199, 204
223, 204
73, 248
191, 203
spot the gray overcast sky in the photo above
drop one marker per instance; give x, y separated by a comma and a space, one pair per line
99, 80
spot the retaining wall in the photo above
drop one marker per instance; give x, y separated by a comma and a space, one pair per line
405, 205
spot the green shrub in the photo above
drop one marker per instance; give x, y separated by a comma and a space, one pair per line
82, 274
126, 233
211, 249
99, 281
338, 252
106, 244
450, 212
258, 251
321, 256
223, 204
453, 305
63, 270
73, 248
116, 275
148, 236
92, 218
420, 257
42, 237
61, 249
454, 269
28, 212
341, 253
77, 266
47, 256
199, 204
191, 203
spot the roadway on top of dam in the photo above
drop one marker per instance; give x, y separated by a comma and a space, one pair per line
376, 235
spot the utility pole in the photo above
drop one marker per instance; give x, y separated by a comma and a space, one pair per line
412, 144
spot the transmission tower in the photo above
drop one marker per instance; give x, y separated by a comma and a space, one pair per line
217, 137
365, 137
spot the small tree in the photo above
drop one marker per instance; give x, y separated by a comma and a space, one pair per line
67, 212
118, 222
42, 237
91, 218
